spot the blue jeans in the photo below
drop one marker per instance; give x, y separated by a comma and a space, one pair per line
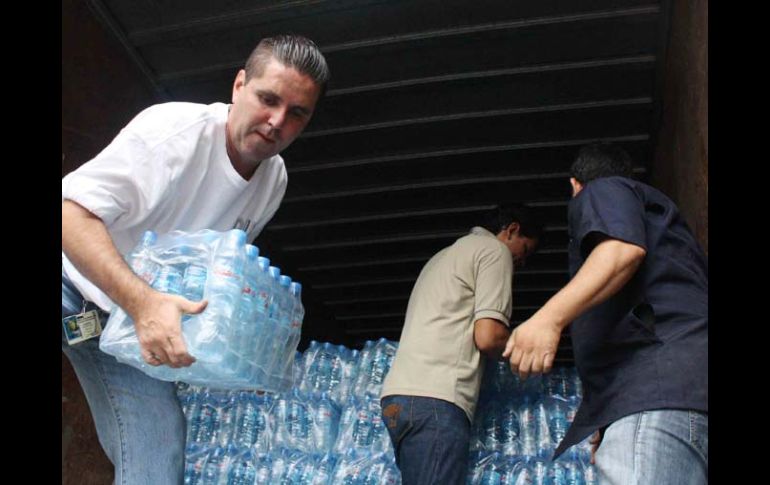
430, 439
655, 447
138, 419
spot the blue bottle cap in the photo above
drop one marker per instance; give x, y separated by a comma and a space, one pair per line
284, 280
208, 236
236, 237
274, 271
263, 263
252, 252
149, 238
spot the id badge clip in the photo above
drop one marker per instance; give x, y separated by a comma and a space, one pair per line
82, 326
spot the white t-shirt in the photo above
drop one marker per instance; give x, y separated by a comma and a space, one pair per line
168, 170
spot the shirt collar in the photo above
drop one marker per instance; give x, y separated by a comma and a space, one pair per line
480, 231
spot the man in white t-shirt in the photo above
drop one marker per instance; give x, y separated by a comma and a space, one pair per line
175, 166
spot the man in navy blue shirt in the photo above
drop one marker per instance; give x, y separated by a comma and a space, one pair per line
638, 304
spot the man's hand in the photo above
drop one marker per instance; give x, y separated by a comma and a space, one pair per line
595, 441
609, 266
532, 346
159, 329
157, 316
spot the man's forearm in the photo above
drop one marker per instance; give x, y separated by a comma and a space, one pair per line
90, 248
495, 351
490, 337
611, 264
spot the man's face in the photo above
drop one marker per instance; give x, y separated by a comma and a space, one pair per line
268, 112
521, 247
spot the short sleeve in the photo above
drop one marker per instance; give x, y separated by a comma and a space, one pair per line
494, 277
121, 185
609, 206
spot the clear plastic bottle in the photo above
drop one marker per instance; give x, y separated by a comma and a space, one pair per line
242, 336
325, 419
141, 258
223, 291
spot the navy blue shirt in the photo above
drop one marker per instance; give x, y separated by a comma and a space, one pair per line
646, 347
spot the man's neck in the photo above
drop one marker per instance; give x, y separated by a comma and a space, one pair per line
244, 169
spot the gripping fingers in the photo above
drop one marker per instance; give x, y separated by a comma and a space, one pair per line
515, 360
509, 345
154, 358
525, 366
548, 362
177, 352
595, 441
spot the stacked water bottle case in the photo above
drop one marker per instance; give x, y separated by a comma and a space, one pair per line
327, 430
517, 426
246, 336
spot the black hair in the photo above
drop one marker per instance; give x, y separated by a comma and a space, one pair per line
503, 215
294, 51
599, 160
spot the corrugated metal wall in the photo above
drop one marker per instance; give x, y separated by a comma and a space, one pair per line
102, 88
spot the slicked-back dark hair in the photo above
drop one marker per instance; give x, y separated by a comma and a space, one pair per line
599, 160
293, 51
503, 215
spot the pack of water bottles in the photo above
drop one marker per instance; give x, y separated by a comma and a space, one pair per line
497, 469
326, 430
245, 338
343, 373
518, 425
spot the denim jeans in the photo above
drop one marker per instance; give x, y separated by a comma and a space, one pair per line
138, 419
654, 448
430, 439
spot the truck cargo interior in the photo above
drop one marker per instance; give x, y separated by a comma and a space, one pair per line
435, 110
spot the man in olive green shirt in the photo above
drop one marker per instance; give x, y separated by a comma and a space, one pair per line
459, 308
